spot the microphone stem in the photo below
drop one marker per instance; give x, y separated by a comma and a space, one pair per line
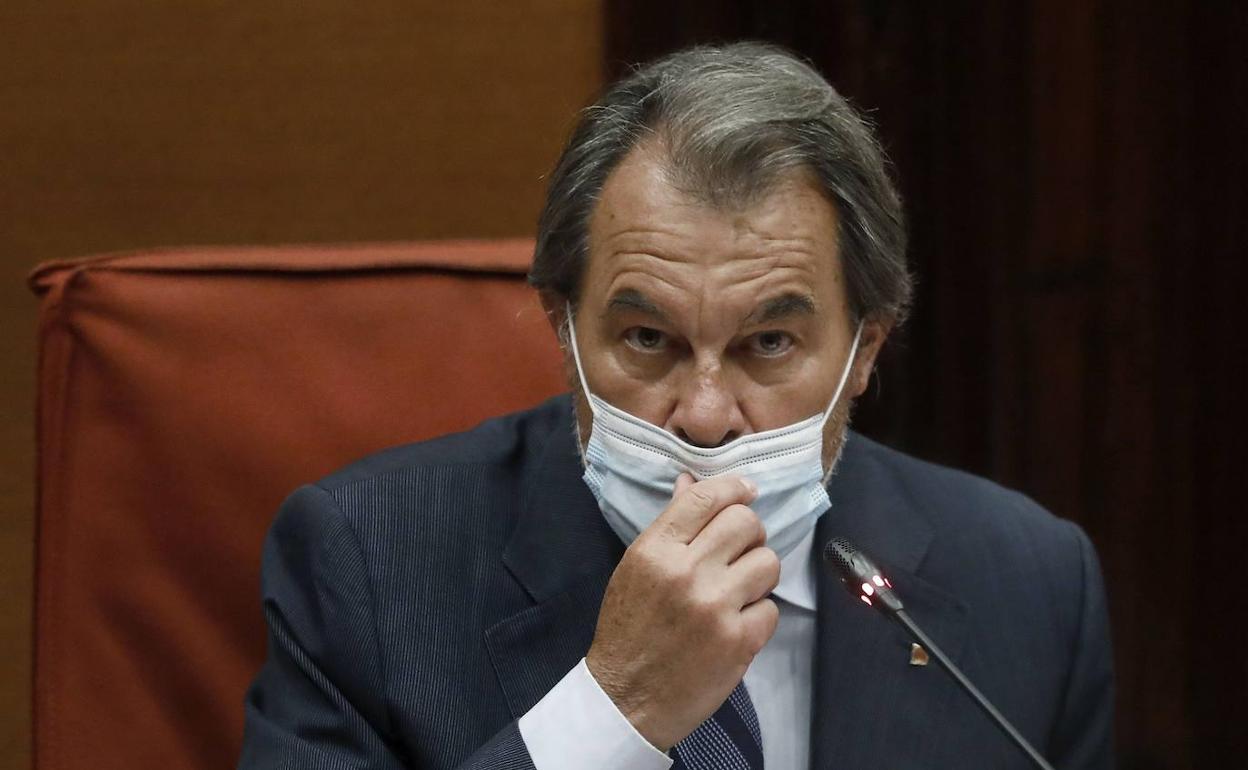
917, 634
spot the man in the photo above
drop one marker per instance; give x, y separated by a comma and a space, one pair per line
628, 577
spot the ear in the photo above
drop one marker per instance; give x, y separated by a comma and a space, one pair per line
555, 306
874, 332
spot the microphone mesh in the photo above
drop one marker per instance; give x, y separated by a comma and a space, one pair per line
839, 553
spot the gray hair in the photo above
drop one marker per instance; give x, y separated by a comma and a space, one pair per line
734, 120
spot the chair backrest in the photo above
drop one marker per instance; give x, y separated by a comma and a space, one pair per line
182, 395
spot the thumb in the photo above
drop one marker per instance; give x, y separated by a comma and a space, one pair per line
683, 482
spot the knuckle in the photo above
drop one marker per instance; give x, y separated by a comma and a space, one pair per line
728, 488
679, 576
708, 602
759, 531
772, 615
700, 498
773, 611
696, 608
658, 566
666, 530
640, 554
747, 514
744, 520
735, 485
753, 637
771, 564
725, 630
763, 627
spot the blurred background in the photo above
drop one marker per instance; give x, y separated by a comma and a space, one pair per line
1075, 176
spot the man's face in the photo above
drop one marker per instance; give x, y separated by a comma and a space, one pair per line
714, 323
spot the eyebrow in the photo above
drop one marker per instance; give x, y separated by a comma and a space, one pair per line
784, 306
631, 299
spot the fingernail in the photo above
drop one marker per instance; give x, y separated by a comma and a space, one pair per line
750, 486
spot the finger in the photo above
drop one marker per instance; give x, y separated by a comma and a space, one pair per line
691, 509
754, 576
730, 533
759, 622
683, 482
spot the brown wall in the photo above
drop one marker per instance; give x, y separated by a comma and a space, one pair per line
126, 124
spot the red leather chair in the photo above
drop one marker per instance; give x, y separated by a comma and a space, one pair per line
182, 395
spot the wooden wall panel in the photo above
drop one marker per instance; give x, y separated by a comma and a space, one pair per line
130, 123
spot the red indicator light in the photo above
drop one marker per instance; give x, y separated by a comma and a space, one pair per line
865, 599
868, 589
879, 581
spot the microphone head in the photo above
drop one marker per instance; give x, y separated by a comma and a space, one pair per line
860, 575
842, 555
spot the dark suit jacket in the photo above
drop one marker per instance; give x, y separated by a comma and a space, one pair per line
422, 600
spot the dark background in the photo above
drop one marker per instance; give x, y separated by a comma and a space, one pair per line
1076, 182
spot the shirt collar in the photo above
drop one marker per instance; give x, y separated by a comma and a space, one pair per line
797, 575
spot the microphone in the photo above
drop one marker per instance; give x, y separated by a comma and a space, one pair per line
865, 580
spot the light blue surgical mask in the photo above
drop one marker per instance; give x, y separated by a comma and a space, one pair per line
631, 466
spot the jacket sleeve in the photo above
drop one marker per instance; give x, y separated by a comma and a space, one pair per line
319, 700
1083, 736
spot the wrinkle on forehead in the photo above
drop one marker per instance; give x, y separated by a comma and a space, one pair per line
708, 264
780, 225
641, 187
689, 272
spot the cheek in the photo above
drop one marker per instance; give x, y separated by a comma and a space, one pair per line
620, 361
793, 392
835, 433
584, 418
570, 376
613, 380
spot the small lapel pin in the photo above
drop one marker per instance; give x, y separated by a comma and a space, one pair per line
918, 655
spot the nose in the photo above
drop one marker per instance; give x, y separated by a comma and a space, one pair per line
707, 413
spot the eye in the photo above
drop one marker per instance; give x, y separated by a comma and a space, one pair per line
771, 344
645, 339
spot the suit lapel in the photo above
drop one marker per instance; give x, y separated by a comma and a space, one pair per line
563, 553
871, 707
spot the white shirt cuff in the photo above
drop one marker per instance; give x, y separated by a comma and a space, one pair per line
576, 725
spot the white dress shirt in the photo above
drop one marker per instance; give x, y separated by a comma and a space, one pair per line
576, 725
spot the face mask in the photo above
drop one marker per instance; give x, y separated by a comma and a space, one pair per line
631, 466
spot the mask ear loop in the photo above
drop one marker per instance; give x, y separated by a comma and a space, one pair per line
849, 365
576, 356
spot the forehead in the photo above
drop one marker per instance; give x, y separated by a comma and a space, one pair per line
648, 235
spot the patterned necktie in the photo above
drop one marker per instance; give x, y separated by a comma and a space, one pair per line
729, 740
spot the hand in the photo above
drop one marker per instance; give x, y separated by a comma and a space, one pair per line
686, 610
